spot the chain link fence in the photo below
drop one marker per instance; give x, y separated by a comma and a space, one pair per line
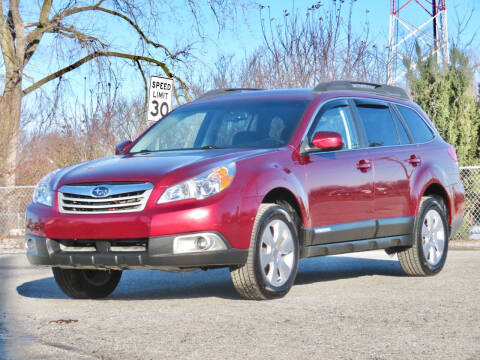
12, 209
15, 200
470, 229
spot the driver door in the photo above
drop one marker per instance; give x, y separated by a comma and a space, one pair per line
340, 182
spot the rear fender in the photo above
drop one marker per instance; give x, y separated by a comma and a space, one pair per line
427, 175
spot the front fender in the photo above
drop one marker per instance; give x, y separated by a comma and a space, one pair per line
273, 175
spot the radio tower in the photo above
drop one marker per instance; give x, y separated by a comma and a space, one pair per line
402, 33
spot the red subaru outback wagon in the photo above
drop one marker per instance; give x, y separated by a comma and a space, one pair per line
254, 180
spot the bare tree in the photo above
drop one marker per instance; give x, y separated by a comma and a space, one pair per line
301, 49
74, 135
62, 19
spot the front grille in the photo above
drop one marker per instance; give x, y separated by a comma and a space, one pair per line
121, 198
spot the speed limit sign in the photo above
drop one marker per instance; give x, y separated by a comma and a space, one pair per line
159, 97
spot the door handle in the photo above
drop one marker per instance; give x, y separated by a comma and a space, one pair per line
364, 165
414, 160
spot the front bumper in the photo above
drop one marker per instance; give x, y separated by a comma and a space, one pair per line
232, 216
158, 255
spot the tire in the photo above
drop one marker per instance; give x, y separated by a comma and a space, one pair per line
270, 270
86, 284
429, 250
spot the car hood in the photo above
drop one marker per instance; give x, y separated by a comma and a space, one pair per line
156, 167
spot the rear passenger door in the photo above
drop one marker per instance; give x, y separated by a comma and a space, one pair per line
394, 160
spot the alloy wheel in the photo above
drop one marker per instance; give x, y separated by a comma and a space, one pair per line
433, 237
277, 256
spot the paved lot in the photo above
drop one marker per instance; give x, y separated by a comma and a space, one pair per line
348, 307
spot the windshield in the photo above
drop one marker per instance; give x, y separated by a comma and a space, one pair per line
235, 124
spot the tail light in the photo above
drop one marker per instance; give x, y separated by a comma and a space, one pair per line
453, 154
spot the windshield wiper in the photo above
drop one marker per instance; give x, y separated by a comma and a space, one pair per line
207, 147
143, 151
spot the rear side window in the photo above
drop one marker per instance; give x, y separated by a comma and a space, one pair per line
420, 132
401, 129
379, 127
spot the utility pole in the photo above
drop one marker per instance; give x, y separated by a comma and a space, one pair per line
403, 33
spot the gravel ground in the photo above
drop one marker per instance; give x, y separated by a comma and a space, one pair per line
342, 307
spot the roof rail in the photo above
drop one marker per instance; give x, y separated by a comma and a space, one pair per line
362, 86
222, 92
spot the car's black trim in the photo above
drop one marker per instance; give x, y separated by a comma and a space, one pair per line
356, 246
359, 230
344, 232
44, 251
395, 226
378, 89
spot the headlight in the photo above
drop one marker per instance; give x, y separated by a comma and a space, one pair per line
202, 186
44, 193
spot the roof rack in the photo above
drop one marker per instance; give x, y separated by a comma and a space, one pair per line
362, 86
222, 92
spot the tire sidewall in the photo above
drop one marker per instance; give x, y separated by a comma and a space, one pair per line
427, 205
106, 288
279, 213
75, 284
110, 274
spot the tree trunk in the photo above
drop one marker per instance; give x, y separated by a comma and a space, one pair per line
10, 108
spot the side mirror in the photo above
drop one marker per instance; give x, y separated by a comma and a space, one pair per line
123, 147
327, 140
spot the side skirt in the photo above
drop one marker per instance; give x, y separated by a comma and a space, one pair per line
356, 246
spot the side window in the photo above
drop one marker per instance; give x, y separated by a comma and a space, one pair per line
401, 129
420, 132
378, 124
338, 119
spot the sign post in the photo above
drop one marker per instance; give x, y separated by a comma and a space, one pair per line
159, 97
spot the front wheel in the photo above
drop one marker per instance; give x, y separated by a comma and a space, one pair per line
430, 240
272, 262
86, 284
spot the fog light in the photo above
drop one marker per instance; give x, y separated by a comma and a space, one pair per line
197, 243
204, 243
29, 245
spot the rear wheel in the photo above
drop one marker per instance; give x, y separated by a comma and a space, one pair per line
272, 262
87, 284
428, 254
